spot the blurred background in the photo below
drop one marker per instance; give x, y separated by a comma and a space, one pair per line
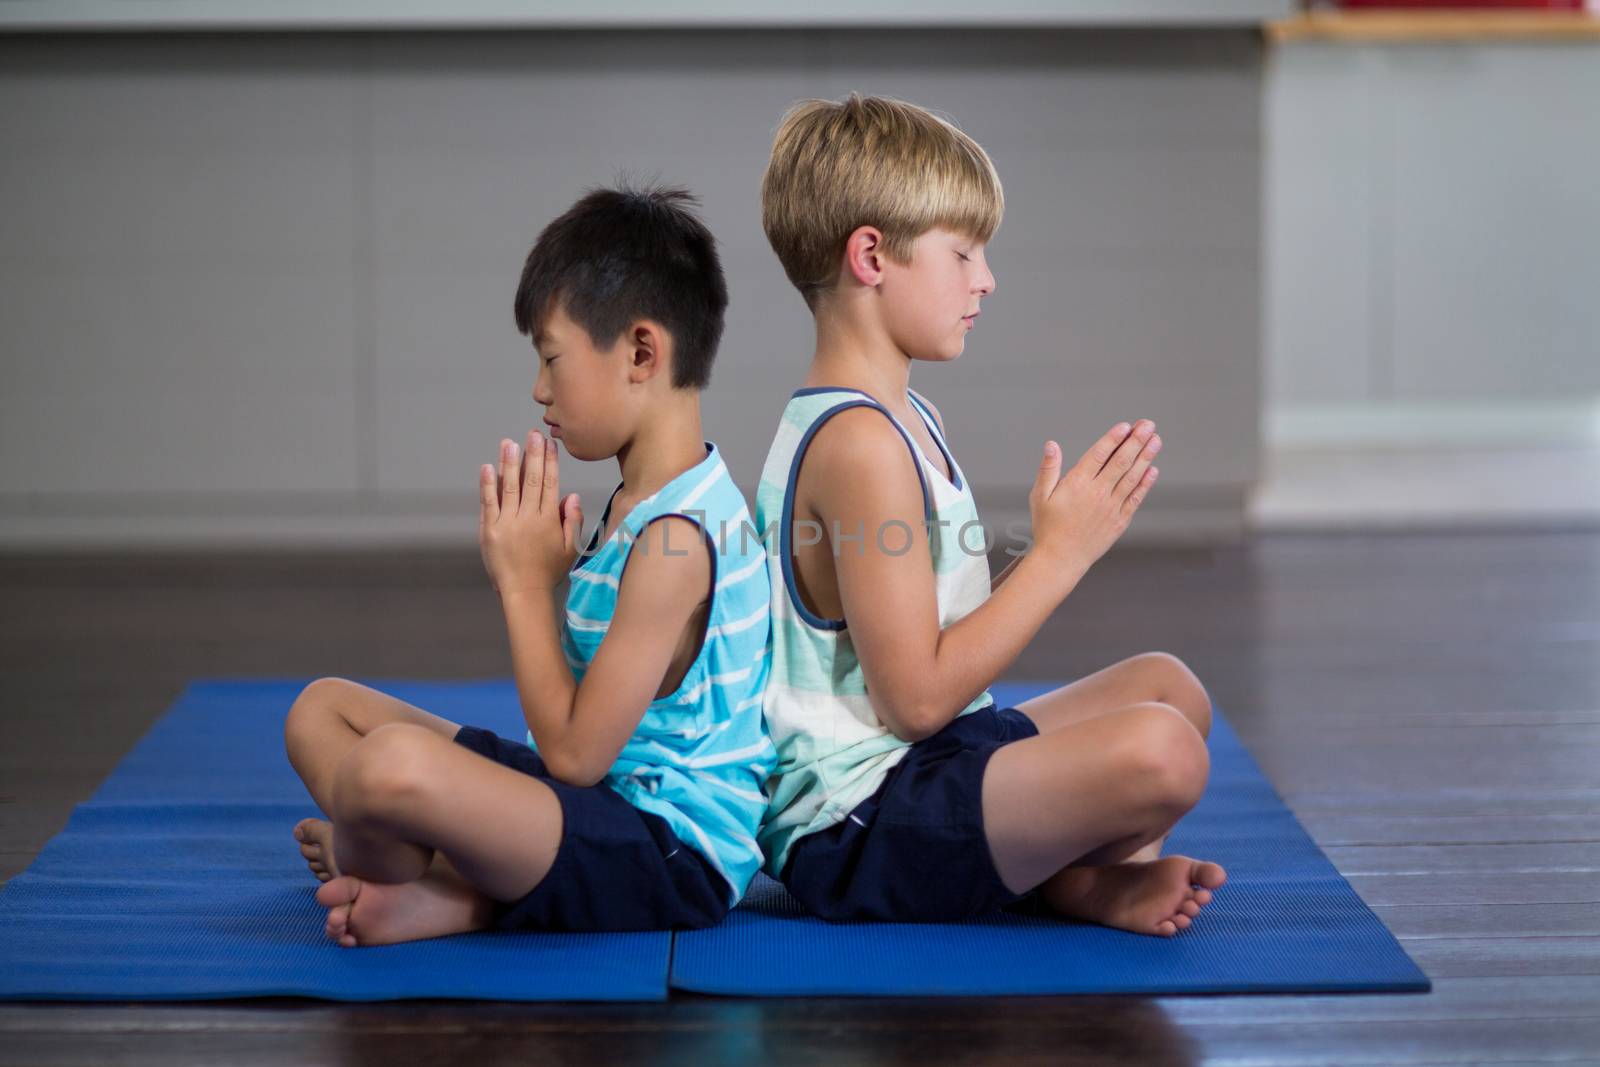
257, 260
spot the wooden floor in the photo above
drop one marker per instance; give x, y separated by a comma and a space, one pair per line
1429, 705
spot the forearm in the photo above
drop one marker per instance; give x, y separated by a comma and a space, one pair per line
545, 686
999, 579
978, 648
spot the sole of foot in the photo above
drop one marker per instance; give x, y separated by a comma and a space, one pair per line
377, 913
1159, 897
316, 845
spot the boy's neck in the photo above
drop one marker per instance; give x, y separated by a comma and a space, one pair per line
664, 445
855, 351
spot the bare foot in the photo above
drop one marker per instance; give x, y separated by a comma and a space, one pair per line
316, 845
378, 913
1159, 897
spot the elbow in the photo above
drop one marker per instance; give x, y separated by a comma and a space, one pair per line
912, 719
571, 768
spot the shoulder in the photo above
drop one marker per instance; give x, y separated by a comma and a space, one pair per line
857, 440
860, 457
929, 405
668, 564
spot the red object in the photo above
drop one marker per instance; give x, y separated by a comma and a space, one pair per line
1475, 5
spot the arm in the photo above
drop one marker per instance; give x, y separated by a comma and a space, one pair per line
858, 473
997, 580
580, 729
917, 676
528, 535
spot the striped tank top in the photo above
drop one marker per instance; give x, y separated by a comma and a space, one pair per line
699, 757
833, 751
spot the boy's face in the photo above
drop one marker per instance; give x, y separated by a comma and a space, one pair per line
932, 302
584, 389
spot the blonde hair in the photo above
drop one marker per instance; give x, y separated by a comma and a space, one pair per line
870, 161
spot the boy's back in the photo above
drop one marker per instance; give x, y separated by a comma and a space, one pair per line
698, 758
833, 750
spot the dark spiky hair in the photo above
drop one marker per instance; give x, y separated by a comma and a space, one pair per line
625, 254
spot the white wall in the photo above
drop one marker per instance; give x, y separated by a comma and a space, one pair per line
1432, 238
256, 289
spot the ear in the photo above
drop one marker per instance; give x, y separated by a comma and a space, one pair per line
648, 346
863, 255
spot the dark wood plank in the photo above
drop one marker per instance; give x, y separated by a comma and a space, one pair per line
1446, 861
1332, 828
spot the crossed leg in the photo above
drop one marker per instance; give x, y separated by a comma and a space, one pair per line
1150, 677
1071, 810
325, 722
404, 798
426, 835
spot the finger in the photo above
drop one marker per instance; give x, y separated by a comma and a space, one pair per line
486, 496
1128, 451
1130, 481
1044, 482
1141, 491
1100, 452
510, 479
552, 476
533, 470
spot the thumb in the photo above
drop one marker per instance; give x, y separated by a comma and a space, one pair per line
571, 521
1049, 470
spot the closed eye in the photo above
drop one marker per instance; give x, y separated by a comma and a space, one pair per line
965, 258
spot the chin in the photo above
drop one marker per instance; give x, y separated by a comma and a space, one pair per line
939, 355
575, 449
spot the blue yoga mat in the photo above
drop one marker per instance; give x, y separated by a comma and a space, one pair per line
1285, 922
179, 880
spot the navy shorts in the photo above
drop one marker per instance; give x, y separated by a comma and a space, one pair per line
617, 868
914, 851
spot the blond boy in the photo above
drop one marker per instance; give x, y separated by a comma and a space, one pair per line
902, 792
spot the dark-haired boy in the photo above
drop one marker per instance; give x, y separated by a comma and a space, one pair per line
633, 803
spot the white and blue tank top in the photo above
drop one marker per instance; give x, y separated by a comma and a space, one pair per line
833, 751
700, 756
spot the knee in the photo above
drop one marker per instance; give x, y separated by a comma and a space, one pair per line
315, 702
1180, 687
1165, 756
384, 774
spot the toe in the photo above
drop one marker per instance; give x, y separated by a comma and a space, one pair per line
1202, 897
311, 852
1189, 908
1210, 875
339, 891
1181, 921
1166, 928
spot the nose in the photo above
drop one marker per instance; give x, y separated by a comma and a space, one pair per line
986, 282
541, 390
